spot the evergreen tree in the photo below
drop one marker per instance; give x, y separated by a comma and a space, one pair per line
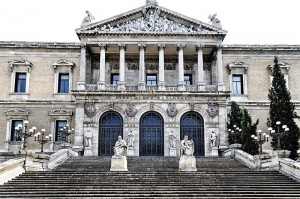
235, 118
248, 129
282, 109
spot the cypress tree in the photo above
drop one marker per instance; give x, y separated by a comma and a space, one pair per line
235, 118
248, 129
282, 109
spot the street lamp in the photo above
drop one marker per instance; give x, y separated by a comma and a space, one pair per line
66, 132
279, 133
235, 132
42, 139
260, 140
22, 131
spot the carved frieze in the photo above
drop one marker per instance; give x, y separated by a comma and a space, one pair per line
131, 109
132, 66
170, 66
60, 112
90, 109
172, 110
114, 66
188, 66
16, 112
212, 110
151, 66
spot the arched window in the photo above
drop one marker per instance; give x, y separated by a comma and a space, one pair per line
151, 134
110, 127
192, 125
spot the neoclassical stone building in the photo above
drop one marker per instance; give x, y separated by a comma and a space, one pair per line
150, 74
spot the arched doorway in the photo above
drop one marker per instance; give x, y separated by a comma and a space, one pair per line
192, 125
151, 134
110, 127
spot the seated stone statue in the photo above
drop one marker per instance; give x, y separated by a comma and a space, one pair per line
120, 148
187, 147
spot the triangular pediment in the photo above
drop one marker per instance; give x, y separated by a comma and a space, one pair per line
150, 19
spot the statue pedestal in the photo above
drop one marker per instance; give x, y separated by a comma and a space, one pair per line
187, 163
88, 151
118, 163
130, 151
172, 151
214, 151
66, 145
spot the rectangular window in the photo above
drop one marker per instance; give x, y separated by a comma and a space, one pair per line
237, 84
16, 135
59, 135
188, 80
114, 79
63, 83
151, 79
20, 83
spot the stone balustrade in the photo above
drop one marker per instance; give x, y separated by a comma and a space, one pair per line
274, 161
149, 88
290, 168
10, 169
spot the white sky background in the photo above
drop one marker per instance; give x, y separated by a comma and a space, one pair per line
247, 21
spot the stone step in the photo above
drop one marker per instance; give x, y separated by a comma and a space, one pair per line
151, 177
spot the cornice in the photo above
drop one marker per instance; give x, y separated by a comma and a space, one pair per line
264, 47
49, 45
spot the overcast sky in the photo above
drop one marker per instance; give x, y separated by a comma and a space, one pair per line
247, 21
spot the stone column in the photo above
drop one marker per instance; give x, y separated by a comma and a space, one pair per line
101, 83
161, 72
200, 83
82, 74
142, 83
121, 83
221, 85
181, 86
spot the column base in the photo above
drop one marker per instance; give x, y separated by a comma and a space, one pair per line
201, 86
101, 86
161, 86
118, 163
141, 86
121, 86
181, 86
80, 85
221, 86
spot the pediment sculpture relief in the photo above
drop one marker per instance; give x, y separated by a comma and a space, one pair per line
152, 21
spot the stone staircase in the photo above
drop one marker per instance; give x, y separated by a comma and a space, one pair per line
151, 177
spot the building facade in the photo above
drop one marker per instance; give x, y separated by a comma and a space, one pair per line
150, 75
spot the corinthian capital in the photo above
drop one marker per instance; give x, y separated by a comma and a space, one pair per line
180, 46
161, 46
200, 46
102, 46
142, 45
